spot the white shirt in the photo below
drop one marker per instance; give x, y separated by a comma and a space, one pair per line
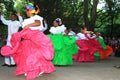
13, 26
45, 27
62, 29
71, 33
32, 20
81, 36
57, 30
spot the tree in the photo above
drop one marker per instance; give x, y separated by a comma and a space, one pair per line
90, 19
74, 13
108, 18
70, 11
20, 6
6, 6
112, 10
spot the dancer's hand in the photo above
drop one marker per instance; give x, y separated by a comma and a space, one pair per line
18, 13
27, 26
45, 21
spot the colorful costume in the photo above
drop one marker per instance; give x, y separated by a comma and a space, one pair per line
105, 51
32, 50
64, 46
87, 48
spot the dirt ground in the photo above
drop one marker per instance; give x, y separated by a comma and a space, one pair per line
99, 70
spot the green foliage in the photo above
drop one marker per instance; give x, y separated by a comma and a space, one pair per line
108, 20
20, 6
3, 30
7, 7
71, 12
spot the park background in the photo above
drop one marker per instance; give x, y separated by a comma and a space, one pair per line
97, 15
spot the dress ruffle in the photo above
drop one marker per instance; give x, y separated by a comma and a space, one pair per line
64, 47
32, 52
106, 51
87, 48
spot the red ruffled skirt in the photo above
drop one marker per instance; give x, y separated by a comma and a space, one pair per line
87, 48
32, 52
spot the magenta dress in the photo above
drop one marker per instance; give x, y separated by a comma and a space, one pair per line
87, 48
32, 52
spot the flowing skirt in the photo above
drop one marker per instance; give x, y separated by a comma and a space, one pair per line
32, 52
106, 51
64, 47
87, 48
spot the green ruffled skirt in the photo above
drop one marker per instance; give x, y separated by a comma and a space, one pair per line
64, 48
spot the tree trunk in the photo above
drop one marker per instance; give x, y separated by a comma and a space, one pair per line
86, 11
90, 23
93, 15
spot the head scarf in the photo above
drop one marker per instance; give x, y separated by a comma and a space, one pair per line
33, 9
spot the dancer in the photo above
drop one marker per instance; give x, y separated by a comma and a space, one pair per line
13, 26
58, 27
63, 45
106, 50
87, 47
71, 32
31, 49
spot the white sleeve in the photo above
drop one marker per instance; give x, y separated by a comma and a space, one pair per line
78, 36
63, 28
52, 30
19, 24
45, 27
4, 21
73, 33
20, 19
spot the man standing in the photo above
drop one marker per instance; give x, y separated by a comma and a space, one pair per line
13, 26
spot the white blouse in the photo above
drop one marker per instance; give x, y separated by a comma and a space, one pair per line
32, 20
81, 36
58, 29
55, 30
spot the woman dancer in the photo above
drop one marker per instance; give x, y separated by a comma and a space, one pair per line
63, 45
31, 49
87, 47
106, 50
